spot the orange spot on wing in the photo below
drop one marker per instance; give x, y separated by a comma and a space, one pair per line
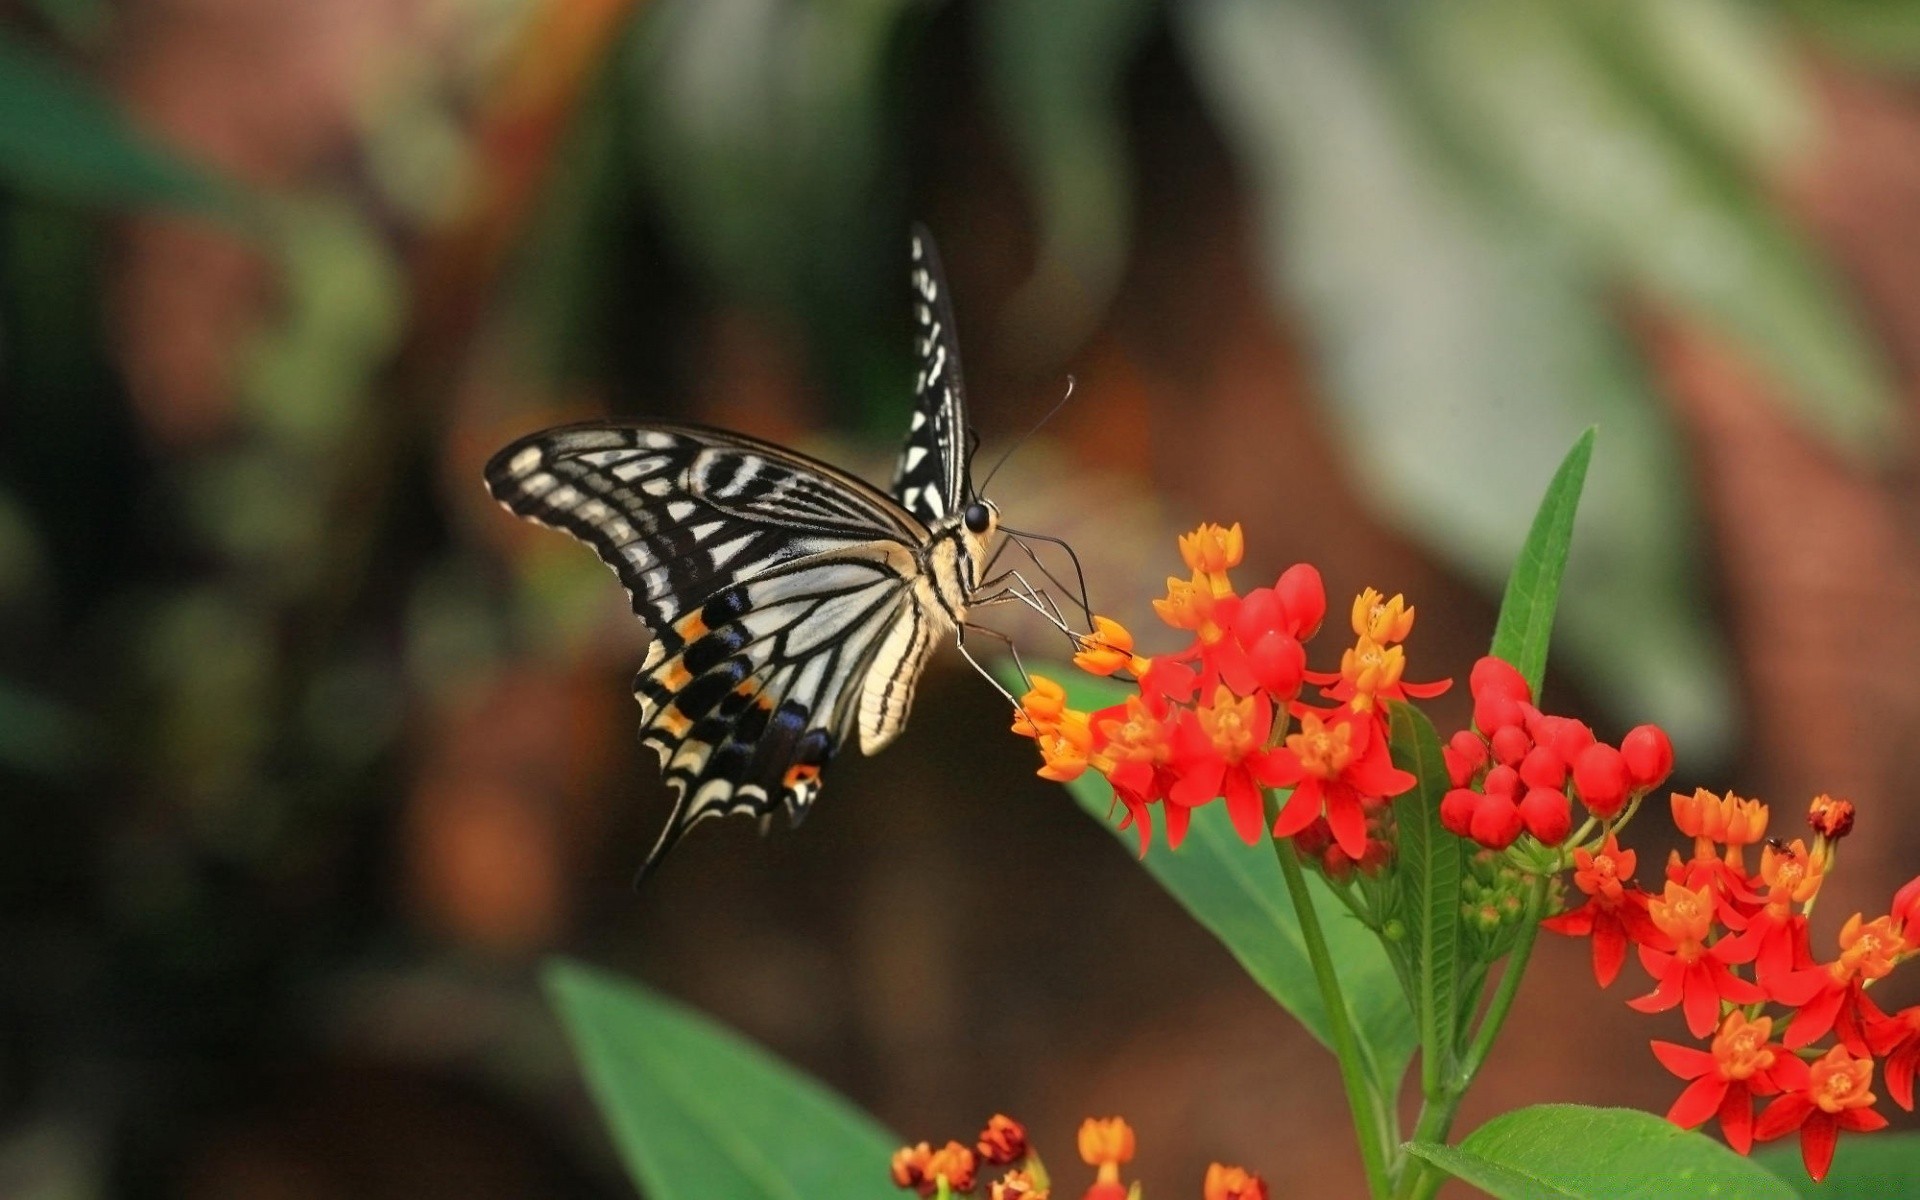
801, 773
675, 722
691, 627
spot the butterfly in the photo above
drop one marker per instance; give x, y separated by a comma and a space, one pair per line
791, 604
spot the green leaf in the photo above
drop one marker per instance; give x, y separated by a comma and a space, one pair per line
1525, 627
698, 1112
1428, 875
1239, 894
63, 139
1864, 1168
1573, 1152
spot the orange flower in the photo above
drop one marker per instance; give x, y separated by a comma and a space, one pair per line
1209, 551
1382, 621
1018, 1185
1837, 1096
1106, 1145
1613, 915
1065, 747
920, 1168
1233, 1183
1109, 648
1041, 709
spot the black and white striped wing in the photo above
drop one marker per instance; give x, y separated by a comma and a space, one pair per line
772, 585
930, 480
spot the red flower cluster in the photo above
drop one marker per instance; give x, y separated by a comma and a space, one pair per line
1518, 770
1722, 943
1105, 1145
1212, 720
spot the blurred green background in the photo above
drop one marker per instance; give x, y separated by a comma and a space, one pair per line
309, 754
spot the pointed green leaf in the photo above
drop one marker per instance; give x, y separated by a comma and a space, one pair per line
1428, 875
63, 139
1238, 893
1573, 1152
1864, 1168
1525, 626
697, 1112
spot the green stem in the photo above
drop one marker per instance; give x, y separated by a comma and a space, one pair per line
1367, 1124
1422, 1180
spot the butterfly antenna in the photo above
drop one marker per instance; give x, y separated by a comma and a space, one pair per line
1008, 453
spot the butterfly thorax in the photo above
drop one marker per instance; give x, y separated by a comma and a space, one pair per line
954, 557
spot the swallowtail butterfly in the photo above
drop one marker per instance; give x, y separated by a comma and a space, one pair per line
790, 603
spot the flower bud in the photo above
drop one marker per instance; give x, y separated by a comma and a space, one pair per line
1494, 677
1542, 768
1303, 597
1567, 738
1232, 1183
1548, 815
1600, 776
1456, 811
1466, 754
1003, 1141
1510, 745
1503, 781
1496, 822
1493, 712
1829, 817
1648, 756
1279, 664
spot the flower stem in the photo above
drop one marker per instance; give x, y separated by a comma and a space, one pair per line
1375, 1140
1421, 1179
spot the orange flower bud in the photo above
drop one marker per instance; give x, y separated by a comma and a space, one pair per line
1742, 822
954, 1163
1107, 649
1003, 1141
910, 1166
1233, 1183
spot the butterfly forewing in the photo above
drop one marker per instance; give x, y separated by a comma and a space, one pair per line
770, 583
930, 479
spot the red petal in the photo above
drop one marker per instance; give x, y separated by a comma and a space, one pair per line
1736, 1117
1684, 1061
1199, 783
1609, 951
1575, 923
1177, 819
1811, 1023
1426, 691
1243, 805
1701, 998
1348, 821
1698, 1102
1301, 808
1900, 1080
1862, 1120
1817, 1137
1782, 1117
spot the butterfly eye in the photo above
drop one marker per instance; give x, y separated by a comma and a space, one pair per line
977, 517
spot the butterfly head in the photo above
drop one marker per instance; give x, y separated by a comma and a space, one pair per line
980, 518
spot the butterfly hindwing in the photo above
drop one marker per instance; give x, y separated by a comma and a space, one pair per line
930, 480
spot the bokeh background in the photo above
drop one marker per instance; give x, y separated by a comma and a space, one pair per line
310, 755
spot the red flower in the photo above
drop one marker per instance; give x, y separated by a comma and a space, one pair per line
1792, 877
1743, 1064
1833, 995
1613, 915
1221, 749
1339, 767
1694, 974
1835, 1097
